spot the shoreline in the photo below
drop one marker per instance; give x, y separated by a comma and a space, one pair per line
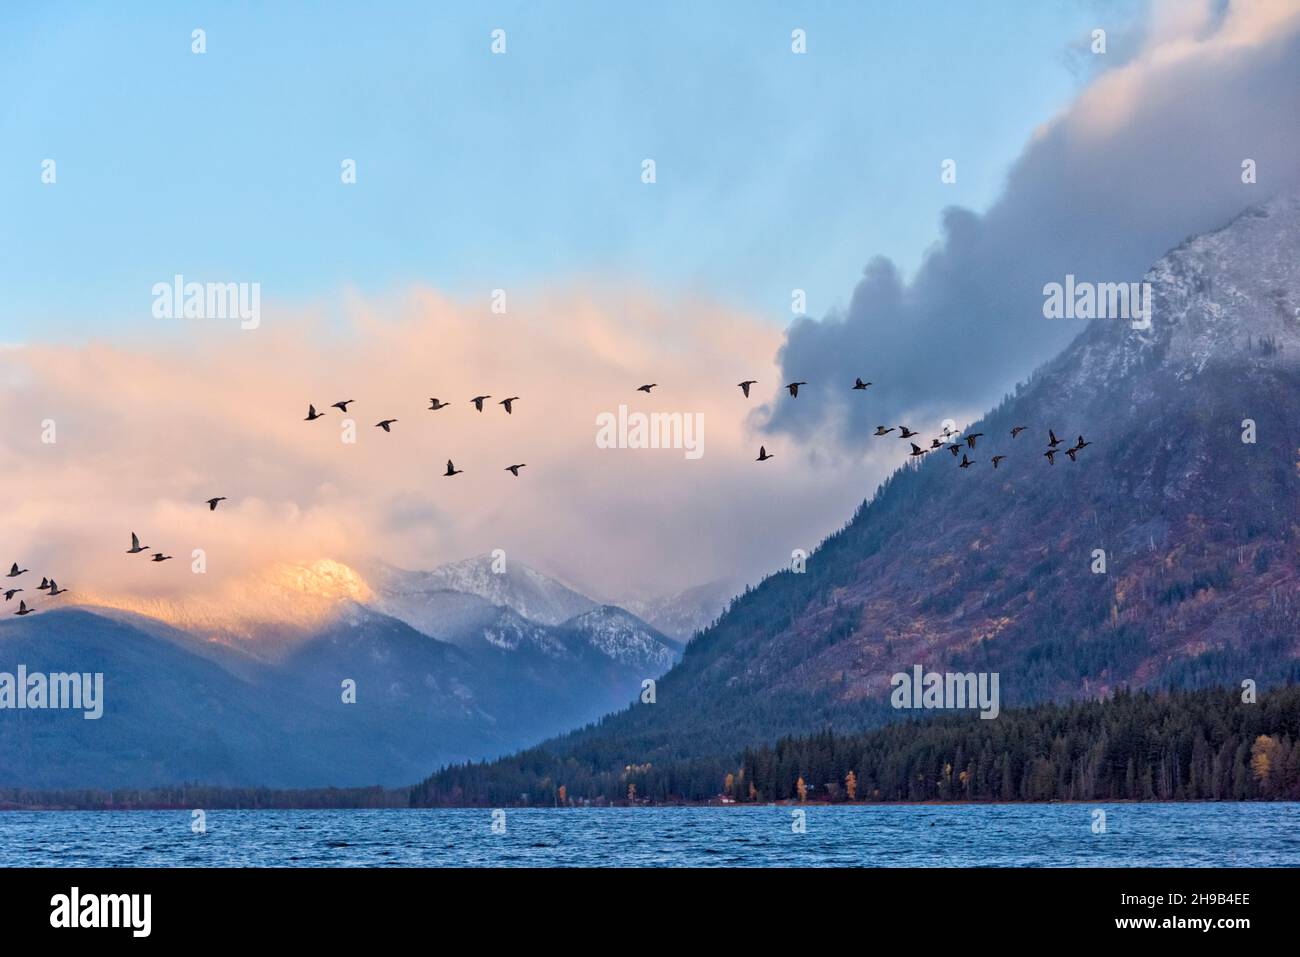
56, 808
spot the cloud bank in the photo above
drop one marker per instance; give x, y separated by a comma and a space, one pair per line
145, 431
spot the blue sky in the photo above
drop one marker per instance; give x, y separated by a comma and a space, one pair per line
478, 171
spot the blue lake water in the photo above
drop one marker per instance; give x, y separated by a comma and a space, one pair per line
1056, 835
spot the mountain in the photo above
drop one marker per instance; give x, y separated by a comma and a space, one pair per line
528, 592
993, 570
685, 613
623, 637
519, 610
216, 690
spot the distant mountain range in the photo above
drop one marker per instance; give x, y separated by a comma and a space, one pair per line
453, 664
1189, 492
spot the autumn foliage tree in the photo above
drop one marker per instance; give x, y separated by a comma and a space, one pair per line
1262, 755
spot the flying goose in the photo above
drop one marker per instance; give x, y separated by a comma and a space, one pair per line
312, 414
744, 386
135, 546
506, 403
451, 470
478, 401
763, 454
794, 388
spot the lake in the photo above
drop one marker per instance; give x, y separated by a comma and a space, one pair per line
1005, 835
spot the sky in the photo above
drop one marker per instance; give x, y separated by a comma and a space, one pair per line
523, 172
478, 171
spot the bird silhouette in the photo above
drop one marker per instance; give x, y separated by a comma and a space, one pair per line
905, 433
859, 384
1081, 444
478, 401
954, 448
1072, 453
343, 404
451, 470
646, 388
997, 459
881, 430
744, 386
212, 502
45, 583
135, 545
11, 592
435, 405
917, 450
312, 414
15, 571
22, 608
55, 589
514, 469
160, 557
385, 424
506, 403
794, 388
1050, 455
965, 463
936, 444
763, 454
1017, 430
1055, 441
970, 439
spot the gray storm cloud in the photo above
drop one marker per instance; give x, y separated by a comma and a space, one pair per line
1148, 155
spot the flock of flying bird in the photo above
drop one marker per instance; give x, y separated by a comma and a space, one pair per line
434, 406
954, 446
47, 584
948, 439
